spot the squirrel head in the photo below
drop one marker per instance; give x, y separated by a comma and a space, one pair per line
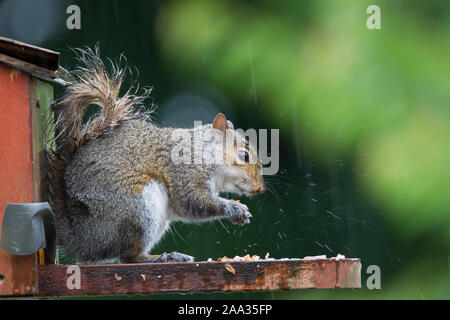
241, 170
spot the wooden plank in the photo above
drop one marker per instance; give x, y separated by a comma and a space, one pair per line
38, 56
26, 67
41, 98
200, 277
17, 273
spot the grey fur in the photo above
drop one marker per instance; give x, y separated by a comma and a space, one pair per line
99, 172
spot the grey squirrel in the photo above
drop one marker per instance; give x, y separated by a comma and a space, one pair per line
114, 186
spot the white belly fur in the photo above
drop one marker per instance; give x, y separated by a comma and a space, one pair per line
155, 216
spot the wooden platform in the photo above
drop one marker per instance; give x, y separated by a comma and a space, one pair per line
186, 277
28, 58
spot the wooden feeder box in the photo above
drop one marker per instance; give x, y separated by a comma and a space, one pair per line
27, 74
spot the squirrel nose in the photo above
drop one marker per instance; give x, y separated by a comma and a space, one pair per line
260, 189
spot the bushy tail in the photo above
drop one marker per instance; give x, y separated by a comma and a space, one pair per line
92, 84
89, 84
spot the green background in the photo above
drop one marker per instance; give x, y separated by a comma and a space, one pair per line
363, 118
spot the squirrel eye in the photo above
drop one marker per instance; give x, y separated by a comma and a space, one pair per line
243, 156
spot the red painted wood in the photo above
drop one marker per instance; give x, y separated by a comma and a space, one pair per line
17, 276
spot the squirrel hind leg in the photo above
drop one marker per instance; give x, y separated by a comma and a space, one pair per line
164, 257
175, 256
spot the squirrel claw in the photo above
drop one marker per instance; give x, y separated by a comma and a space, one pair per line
238, 212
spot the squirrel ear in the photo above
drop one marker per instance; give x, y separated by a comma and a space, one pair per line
220, 123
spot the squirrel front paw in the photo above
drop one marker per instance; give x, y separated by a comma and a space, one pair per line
237, 212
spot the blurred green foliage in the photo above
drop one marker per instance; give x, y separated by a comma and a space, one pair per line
363, 114
378, 97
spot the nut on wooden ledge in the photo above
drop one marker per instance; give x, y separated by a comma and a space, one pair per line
246, 273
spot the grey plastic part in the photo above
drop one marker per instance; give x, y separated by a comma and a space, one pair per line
28, 227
